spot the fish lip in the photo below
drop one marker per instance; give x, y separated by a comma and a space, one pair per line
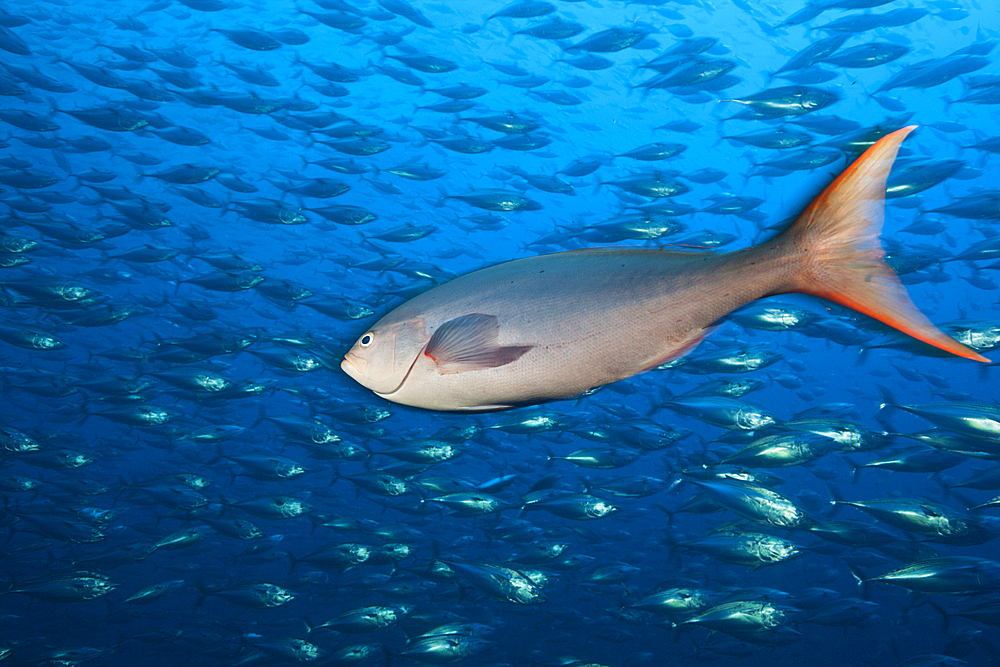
353, 364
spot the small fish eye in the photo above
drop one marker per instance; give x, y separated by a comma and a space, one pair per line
367, 339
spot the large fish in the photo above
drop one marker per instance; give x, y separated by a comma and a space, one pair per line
554, 326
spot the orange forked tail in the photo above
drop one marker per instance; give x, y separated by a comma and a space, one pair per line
840, 258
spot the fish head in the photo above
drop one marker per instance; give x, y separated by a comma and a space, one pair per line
382, 357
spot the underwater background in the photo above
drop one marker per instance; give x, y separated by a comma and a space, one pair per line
206, 202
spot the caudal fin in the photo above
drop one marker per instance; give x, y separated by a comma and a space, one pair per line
837, 239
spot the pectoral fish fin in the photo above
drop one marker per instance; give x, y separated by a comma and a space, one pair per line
471, 343
841, 257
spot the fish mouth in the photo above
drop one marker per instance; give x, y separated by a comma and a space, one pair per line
353, 364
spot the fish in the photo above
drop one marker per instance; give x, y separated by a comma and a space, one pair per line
747, 548
555, 326
444, 648
365, 619
949, 575
872, 54
611, 40
557, 29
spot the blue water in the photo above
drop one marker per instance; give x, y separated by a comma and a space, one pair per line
99, 504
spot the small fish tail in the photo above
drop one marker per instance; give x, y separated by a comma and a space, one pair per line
863, 581
855, 470
842, 260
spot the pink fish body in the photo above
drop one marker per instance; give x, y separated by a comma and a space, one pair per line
553, 326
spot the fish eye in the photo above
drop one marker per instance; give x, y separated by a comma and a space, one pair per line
367, 339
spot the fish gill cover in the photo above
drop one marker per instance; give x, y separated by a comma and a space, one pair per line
207, 202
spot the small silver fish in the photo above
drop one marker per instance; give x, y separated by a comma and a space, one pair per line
554, 326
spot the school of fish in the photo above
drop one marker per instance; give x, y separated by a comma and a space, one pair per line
541, 333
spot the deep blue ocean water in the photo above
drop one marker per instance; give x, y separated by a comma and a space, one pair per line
189, 478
